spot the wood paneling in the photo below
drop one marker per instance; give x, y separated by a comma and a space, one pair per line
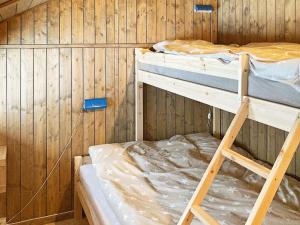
9, 8
256, 20
55, 55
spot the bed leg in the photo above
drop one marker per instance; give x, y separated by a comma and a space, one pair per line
139, 136
77, 205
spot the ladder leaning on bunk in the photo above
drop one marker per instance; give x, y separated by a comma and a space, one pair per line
273, 177
272, 114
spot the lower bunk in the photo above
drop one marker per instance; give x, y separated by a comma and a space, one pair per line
152, 182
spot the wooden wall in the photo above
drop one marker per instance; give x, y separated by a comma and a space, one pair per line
243, 21
57, 54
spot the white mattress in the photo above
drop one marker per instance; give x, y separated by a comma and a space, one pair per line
92, 184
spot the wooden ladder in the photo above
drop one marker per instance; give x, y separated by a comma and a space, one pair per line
273, 177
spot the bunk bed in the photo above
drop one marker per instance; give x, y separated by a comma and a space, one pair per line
224, 85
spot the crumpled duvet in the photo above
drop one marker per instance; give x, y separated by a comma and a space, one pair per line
274, 61
152, 182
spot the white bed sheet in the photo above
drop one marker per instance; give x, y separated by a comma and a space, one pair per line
92, 184
151, 182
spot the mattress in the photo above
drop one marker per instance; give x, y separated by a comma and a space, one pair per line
92, 185
261, 88
150, 183
274, 61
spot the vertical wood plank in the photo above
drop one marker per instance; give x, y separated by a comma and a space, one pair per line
217, 122
280, 20
171, 12
40, 167
26, 130
297, 23
99, 93
13, 132
239, 21
100, 21
65, 122
188, 116
262, 142
271, 145
110, 95
198, 22
28, 27
3, 57
77, 21
150, 129
271, 20
253, 20
53, 22
225, 28
110, 22
179, 19
141, 21
116, 95
89, 85
170, 102
151, 21
122, 22
131, 21
89, 21
290, 21
246, 21
14, 30
220, 21
253, 138
161, 114
116, 22
53, 127
65, 23
40, 24
3, 33
77, 99
214, 22
262, 21
122, 120
206, 21
130, 95
161, 20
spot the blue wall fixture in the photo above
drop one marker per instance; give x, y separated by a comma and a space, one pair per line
203, 8
94, 104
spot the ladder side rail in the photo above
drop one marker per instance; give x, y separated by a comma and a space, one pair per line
216, 162
275, 177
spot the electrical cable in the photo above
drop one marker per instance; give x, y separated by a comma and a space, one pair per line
64, 149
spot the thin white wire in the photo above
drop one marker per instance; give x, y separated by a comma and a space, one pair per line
64, 149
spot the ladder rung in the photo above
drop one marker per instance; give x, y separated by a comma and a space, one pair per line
247, 163
203, 216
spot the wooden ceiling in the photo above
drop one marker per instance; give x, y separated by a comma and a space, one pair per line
9, 8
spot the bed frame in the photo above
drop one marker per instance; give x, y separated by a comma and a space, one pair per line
272, 114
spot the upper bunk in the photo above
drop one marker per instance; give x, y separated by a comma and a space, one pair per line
221, 76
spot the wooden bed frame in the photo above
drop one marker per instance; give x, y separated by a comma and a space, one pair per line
272, 114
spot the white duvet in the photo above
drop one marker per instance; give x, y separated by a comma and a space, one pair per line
274, 61
152, 182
